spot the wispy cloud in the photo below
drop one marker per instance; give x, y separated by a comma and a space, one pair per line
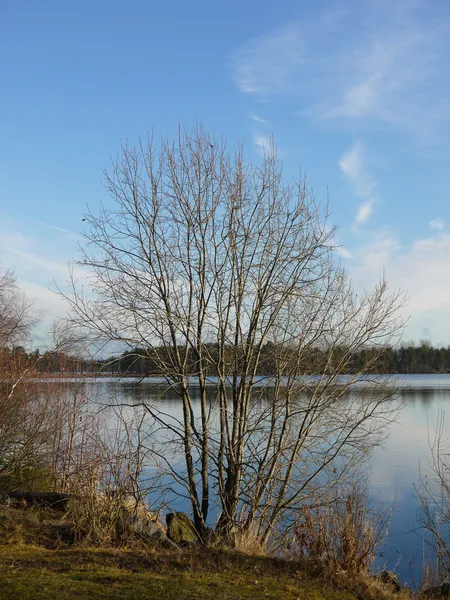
33, 262
343, 252
391, 76
352, 167
262, 143
438, 224
66, 232
265, 65
40, 260
259, 120
364, 212
375, 61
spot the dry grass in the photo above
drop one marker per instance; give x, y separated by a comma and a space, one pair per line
249, 543
35, 526
32, 573
40, 559
343, 535
21, 524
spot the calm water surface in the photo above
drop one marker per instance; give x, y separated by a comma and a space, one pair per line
399, 467
396, 468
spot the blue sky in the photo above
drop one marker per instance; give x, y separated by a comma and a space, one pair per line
356, 93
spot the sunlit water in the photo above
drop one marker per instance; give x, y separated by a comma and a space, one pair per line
396, 468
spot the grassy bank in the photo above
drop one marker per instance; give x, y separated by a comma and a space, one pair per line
40, 559
34, 573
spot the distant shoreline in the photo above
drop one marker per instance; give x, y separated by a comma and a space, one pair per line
50, 375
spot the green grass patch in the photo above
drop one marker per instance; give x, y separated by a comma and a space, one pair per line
35, 573
41, 560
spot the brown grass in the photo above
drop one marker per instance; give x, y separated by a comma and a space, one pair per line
340, 536
40, 559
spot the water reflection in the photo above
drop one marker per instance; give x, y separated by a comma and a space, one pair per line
398, 467
395, 467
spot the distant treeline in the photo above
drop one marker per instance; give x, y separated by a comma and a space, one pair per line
48, 362
423, 358
404, 359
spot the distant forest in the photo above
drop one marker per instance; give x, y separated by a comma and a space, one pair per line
403, 359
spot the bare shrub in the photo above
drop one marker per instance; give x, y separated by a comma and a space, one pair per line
343, 534
97, 519
107, 483
26, 420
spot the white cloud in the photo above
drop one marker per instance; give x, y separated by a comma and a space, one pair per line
65, 232
383, 76
32, 262
262, 143
436, 224
372, 257
352, 167
47, 303
259, 120
32, 257
374, 61
364, 212
391, 74
264, 65
343, 252
421, 269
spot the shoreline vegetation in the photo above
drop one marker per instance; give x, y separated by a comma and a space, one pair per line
106, 547
423, 359
40, 558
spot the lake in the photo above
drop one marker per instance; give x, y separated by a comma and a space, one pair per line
396, 467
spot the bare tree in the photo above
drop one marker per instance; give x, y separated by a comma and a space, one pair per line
213, 266
25, 412
17, 316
